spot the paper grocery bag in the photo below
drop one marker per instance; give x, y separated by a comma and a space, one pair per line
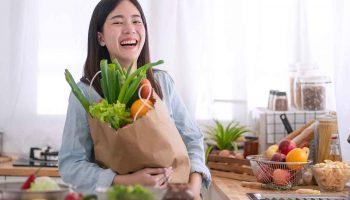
151, 141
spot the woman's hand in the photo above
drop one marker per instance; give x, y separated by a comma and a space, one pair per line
195, 185
152, 177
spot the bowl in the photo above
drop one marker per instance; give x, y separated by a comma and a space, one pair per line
332, 178
277, 175
12, 190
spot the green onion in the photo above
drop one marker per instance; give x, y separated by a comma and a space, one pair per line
76, 91
131, 77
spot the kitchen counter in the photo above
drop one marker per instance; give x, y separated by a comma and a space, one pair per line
230, 189
6, 169
227, 189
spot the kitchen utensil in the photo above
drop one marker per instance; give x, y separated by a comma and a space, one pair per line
264, 170
281, 196
286, 123
12, 191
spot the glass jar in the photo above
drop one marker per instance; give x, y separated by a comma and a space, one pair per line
271, 99
327, 127
313, 92
334, 152
281, 102
292, 77
302, 70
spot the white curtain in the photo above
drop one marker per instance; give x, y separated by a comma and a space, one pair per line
223, 55
39, 40
342, 74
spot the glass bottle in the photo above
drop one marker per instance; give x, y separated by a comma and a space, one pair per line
334, 152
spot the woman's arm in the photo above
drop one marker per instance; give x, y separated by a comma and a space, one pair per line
76, 159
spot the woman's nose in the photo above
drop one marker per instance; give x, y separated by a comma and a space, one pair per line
129, 29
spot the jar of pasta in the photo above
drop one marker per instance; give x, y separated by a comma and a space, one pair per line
326, 128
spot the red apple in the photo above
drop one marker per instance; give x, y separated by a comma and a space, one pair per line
74, 196
278, 157
286, 146
281, 177
264, 174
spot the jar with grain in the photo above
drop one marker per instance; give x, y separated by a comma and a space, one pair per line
313, 92
281, 102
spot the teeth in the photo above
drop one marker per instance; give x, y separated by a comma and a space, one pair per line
128, 42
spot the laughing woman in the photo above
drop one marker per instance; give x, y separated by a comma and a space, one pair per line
118, 29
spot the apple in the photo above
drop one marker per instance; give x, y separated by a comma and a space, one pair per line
278, 157
281, 177
74, 196
264, 174
286, 146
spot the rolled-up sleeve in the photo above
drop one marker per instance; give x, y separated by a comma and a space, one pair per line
190, 132
76, 159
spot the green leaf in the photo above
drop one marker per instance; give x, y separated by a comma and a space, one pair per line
207, 152
224, 137
104, 79
131, 77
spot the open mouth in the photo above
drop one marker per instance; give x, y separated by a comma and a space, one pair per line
128, 43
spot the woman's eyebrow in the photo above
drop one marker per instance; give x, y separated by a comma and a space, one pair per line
122, 16
134, 16
117, 16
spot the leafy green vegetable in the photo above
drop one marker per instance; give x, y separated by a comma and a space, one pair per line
76, 90
118, 86
115, 114
121, 192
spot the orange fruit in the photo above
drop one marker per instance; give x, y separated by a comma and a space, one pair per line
297, 155
137, 105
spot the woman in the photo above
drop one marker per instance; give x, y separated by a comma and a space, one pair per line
118, 30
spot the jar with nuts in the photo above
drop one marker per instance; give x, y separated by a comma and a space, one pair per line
313, 93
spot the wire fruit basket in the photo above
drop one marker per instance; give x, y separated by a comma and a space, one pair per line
277, 175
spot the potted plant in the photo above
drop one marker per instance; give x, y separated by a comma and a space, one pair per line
224, 138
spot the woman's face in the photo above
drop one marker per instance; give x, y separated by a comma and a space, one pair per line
123, 33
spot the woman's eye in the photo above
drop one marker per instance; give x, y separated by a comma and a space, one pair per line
117, 22
137, 22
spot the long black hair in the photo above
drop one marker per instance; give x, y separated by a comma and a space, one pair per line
96, 52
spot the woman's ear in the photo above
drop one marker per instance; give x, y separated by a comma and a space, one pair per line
100, 39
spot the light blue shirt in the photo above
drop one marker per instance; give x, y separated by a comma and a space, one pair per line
76, 157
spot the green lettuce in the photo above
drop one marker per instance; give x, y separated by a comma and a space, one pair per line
116, 114
121, 192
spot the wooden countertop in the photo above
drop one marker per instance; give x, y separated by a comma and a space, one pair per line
6, 169
230, 189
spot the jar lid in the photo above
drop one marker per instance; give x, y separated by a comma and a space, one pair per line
281, 94
315, 80
273, 91
334, 136
327, 118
